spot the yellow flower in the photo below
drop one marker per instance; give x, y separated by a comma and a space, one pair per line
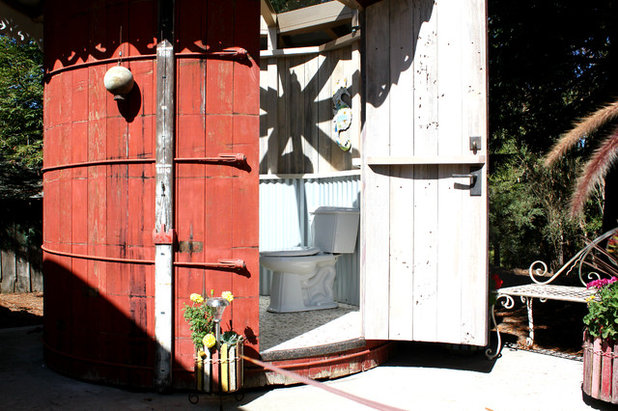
589, 298
196, 298
201, 354
209, 340
228, 296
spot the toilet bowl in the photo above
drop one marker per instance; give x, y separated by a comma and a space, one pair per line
303, 277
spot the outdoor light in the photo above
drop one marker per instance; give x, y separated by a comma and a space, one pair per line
219, 304
119, 81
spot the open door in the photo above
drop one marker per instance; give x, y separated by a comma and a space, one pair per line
424, 197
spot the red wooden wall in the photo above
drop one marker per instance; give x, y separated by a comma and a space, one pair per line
99, 316
217, 112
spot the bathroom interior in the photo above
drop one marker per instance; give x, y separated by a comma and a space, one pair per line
310, 122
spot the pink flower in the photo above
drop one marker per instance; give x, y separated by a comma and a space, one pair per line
603, 282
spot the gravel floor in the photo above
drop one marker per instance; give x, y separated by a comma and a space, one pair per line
280, 331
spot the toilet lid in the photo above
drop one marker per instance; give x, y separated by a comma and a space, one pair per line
292, 252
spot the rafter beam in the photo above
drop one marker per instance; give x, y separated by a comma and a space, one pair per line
300, 51
309, 18
268, 13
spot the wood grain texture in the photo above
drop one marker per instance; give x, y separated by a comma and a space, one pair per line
402, 222
587, 364
420, 115
8, 271
595, 385
606, 371
375, 218
217, 204
614, 388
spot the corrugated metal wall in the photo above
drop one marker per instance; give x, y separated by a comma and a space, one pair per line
285, 221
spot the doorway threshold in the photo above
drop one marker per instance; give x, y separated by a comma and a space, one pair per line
310, 333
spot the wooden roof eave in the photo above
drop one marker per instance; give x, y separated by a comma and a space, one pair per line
268, 13
300, 51
313, 18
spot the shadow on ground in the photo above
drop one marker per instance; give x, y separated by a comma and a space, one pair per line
410, 354
10, 318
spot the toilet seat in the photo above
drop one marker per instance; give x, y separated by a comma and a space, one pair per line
292, 252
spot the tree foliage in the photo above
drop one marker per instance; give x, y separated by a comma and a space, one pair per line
21, 118
550, 63
281, 6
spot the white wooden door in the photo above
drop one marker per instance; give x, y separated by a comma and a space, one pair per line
424, 230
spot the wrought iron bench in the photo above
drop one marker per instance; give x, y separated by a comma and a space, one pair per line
544, 290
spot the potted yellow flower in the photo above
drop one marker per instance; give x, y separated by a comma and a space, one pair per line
218, 359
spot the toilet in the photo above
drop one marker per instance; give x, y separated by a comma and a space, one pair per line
303, 277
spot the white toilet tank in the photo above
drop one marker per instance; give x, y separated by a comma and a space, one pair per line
335, 229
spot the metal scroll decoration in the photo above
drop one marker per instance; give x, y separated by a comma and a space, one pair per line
580, 260
507, 303
342, 115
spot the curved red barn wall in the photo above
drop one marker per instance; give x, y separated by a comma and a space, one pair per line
99, 316
218, 113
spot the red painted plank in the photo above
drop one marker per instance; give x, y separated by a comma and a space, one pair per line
97, 99
190, 191
64, 211
140, 217
185, 354
606, 371
51, 215
64, 94
614, 398
145, 88
219, 80
245, 308
79, 96
596, 368
97, 219
189, 100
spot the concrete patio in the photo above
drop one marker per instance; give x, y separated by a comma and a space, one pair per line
418, 377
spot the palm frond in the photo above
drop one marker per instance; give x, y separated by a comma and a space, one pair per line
581, 129
594, 171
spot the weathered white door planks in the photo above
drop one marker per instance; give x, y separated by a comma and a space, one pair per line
375, 204
424, 238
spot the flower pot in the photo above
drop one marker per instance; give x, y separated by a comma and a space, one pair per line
221, 370
600, 369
